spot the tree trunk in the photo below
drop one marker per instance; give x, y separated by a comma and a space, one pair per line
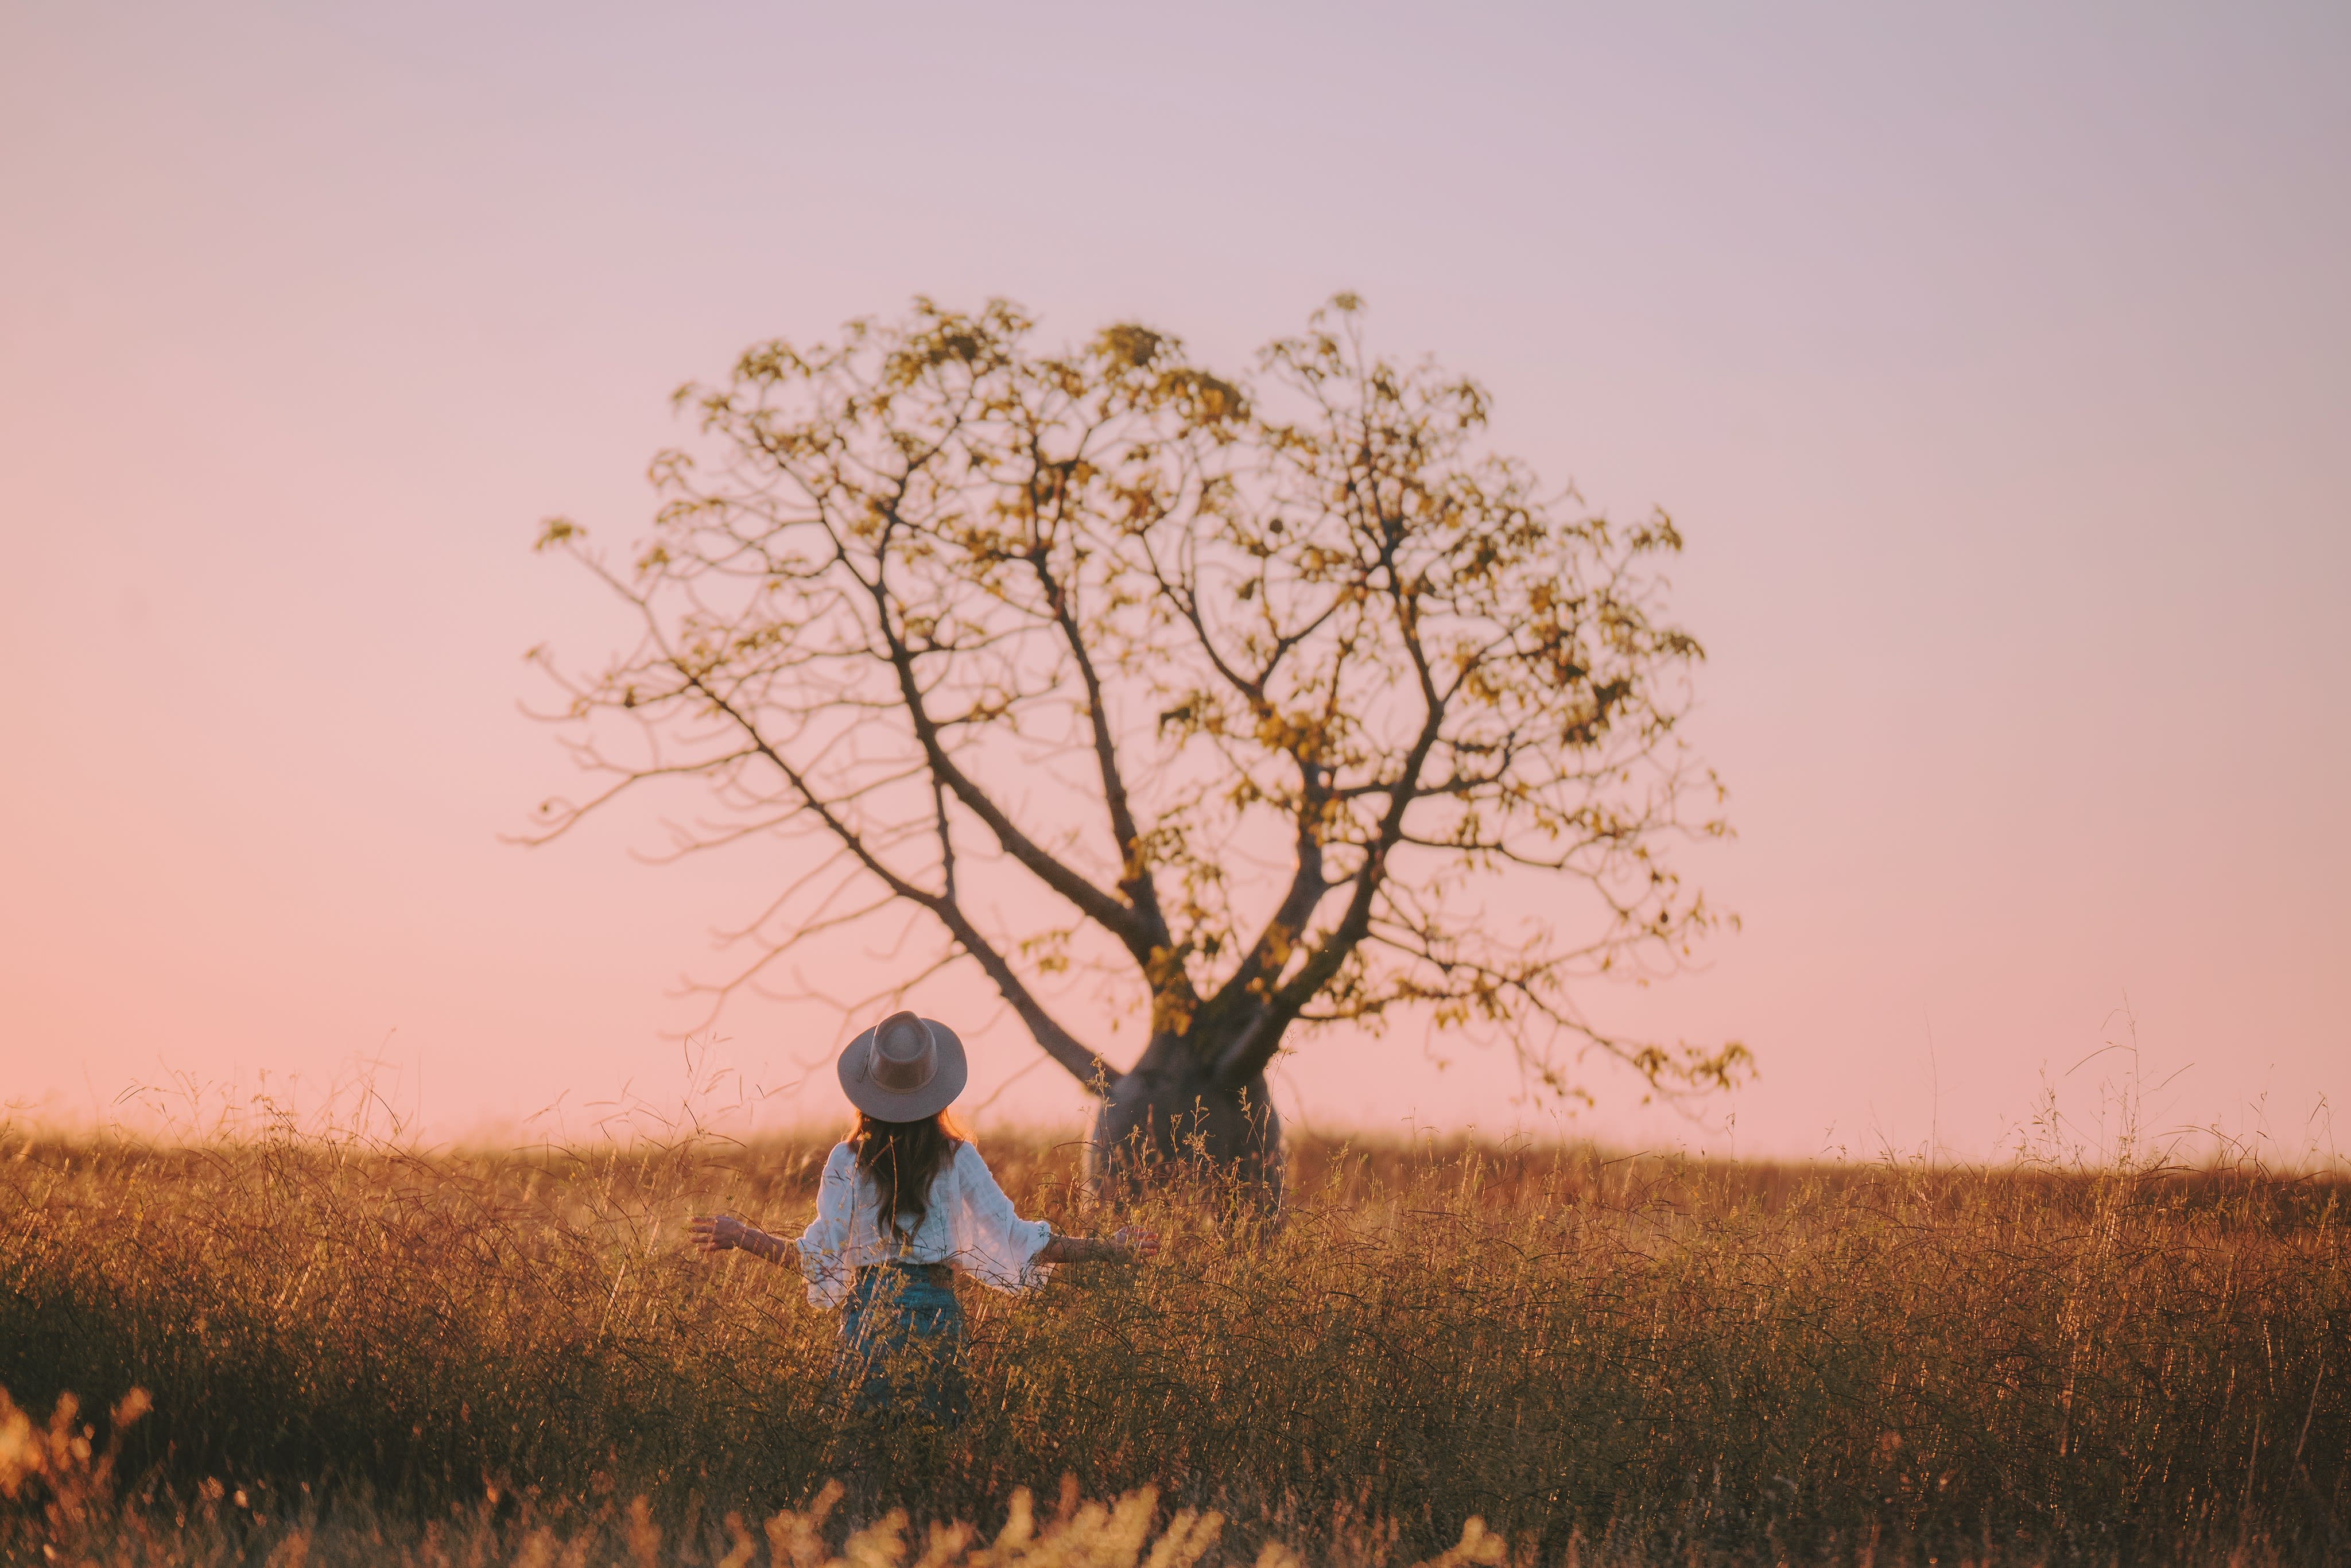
1170, 1117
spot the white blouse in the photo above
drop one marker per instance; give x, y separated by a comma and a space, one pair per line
969, 1226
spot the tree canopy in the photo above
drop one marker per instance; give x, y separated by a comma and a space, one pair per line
1265, 688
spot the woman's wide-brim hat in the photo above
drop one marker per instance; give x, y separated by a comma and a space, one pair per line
904, 1069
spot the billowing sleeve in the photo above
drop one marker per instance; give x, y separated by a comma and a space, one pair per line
824, 1245
993, 1244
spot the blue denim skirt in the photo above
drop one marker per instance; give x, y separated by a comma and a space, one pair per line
901, 1341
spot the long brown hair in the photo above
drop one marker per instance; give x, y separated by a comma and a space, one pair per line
904, 1158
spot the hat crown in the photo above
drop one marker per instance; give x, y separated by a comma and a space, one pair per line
905, 1057
904, 1069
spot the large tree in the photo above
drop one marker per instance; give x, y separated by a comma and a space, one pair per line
1265, 694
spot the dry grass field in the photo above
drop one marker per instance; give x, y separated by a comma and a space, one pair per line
358, 1352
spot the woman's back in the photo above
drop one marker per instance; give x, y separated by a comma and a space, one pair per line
966, 1222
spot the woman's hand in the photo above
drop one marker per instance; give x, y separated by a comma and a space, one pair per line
715, 1233
1130, 1245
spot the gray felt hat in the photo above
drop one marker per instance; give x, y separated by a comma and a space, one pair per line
904, 1069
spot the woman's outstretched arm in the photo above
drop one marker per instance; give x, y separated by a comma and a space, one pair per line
1130, 1245
716, 1233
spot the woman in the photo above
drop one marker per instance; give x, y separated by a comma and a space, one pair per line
905, 1205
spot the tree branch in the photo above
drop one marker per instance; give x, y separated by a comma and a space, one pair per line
1117, 918
1089, 1067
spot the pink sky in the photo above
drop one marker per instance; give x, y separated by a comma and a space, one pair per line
1995, 365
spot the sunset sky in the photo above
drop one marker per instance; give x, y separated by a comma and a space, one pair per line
1994, 360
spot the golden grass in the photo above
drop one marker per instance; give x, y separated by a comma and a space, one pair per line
77, 1517
476, 1357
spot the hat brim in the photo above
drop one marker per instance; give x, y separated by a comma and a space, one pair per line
913, 1105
